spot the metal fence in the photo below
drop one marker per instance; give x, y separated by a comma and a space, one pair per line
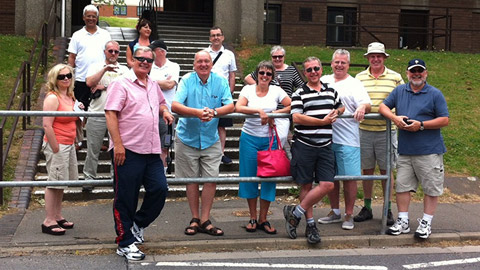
218, 180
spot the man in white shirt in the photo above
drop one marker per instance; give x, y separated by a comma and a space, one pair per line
223, 64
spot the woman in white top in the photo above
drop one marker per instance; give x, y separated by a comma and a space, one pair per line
259, 98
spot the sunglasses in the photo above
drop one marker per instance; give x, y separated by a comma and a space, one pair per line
277, 56
216, 35
269, 74
113, 51
417, 70
142, 59
63, 76
312, 69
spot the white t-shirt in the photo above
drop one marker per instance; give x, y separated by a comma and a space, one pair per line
88, 49
352, 94
98, 104
162, 73
269, 103
225, 63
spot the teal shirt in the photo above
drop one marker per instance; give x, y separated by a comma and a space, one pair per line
192, 93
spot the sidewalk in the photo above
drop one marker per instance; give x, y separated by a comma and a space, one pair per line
94, 229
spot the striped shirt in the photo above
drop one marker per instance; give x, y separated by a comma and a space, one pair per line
378, 89
316, 104
288, 79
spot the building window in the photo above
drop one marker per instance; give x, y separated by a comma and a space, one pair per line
140, 10
305, 14
120, 10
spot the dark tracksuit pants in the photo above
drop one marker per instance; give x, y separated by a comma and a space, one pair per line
137, 170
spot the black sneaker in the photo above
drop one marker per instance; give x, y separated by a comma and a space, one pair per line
311, 232
365, 214
291, 221
226, 160
390, 220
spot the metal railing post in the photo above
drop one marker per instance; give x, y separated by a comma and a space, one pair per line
29, 91
24, 91
1, 164
386, 200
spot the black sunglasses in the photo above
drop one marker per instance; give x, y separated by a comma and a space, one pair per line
113, 51
277, 56
63, 76
141, 59
417, 70
311, 69
269, 74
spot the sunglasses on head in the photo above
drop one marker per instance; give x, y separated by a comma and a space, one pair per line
142, 59
312, 69
277, 56
417, 70
269, 74
63, 76
113, 51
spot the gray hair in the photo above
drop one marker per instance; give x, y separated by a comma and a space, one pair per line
90, 8
341, 52
111, 42
310, 59
277, 48
144, 49
267, 65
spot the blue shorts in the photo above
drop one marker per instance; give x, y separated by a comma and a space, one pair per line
249, 146
347, 159
312, 163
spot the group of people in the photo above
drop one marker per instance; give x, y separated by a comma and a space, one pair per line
138, 105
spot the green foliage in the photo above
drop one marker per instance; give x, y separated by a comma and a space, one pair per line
120, 22
455, 74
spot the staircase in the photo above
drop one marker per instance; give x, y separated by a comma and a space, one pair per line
183, 39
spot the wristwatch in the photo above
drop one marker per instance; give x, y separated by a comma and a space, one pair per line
421, 125
215, 113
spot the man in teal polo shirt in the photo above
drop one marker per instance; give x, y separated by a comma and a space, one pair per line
421, 113
203, 95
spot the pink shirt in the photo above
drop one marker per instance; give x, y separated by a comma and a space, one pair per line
138, 112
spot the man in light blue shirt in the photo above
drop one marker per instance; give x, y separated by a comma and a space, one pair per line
203, 95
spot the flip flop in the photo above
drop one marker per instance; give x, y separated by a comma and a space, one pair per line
49, 230
267, 224
253, 222
214, 231
62, 224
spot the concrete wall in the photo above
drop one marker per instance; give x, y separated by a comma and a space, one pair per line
240, 20
30, 15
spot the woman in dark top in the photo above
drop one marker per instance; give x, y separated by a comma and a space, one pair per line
144, 29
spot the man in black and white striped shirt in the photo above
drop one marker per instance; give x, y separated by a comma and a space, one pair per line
315, 107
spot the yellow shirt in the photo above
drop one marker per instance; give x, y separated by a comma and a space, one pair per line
378, 90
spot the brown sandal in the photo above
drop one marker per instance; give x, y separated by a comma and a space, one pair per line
193, 229
212, 231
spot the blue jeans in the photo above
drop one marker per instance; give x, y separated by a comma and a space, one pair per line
138, 170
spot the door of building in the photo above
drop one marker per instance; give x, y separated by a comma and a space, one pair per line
413, 32
341, 26
271, 21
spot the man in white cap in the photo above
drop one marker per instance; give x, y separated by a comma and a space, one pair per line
379, 81
421, 112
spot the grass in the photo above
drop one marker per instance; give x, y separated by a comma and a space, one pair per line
456, 74
120, 22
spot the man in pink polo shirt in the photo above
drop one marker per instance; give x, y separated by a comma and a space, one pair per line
134, 103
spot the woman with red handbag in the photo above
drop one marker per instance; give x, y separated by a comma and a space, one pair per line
259, 98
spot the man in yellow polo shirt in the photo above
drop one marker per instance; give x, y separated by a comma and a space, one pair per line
379, 81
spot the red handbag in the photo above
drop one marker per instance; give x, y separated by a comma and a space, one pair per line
270, 162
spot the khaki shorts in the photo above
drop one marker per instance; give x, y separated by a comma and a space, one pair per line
426, 170
61, 165
192, 162
373, 149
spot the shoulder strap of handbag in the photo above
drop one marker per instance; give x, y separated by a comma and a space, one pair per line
216, 58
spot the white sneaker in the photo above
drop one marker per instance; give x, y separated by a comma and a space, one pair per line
400, 226
131, 253
137, 233
348, 223
424, 229
330, 218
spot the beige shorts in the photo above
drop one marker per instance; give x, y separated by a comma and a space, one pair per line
426, 170
373, 149
192, 162
61, 165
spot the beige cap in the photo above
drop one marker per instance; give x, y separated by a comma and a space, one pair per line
376, 47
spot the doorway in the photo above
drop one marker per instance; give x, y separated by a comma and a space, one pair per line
413, 29
341, 26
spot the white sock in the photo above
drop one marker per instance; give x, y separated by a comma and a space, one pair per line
336, 211
165, 170
428, 218
403, 215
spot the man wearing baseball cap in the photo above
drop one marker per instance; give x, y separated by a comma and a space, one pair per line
379, 81
421, 113
166, 74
